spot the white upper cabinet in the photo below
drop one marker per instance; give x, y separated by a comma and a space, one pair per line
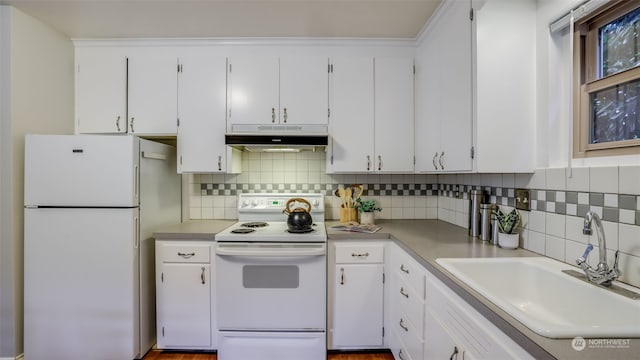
351, 122
101, 90
371, 122
304, 90
202, 96
394, 110
505, 85
444, 102
271, 90
153, 91
253, 90
126, 90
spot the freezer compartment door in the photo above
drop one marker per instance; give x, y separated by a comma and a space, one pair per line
81, 284
81, 170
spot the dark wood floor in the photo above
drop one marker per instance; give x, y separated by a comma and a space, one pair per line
173, 355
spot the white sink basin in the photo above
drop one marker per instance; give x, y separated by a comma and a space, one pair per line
536, 292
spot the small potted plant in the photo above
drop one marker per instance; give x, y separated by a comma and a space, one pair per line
508, 236
366, 208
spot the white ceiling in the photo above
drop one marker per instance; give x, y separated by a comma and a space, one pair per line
231, 18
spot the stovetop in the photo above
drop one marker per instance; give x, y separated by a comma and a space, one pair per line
261, 218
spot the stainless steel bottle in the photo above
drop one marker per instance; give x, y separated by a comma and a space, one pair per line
485, 221
476, 197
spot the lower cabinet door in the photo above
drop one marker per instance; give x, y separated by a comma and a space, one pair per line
438, 344
184, 306
357, 306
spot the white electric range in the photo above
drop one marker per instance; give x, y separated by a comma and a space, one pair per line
271, 283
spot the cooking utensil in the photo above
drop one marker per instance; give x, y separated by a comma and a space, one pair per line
341, 193
348, 199
299, 219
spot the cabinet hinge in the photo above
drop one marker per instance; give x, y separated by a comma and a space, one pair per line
162, 274
383, 278
163, 331
331, 159
229, 67
331, 68
473, 152
329, 112
471, 14
78, 69
180, 159
414, 69
383, 331
178, 67
414, 160
178, 122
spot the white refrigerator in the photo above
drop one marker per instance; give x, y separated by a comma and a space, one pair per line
92, 203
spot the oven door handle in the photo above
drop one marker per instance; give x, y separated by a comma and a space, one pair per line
261, 252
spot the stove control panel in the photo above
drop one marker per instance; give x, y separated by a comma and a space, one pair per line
278, 201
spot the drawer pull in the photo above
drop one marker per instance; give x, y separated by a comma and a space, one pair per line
403, 269
405, 328
202, 275
403, 293
454, 353
360, 255
401, 355
186, 255
341, 276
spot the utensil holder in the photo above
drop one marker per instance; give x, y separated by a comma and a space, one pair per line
348, 215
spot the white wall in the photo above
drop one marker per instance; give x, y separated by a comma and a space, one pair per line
40, 100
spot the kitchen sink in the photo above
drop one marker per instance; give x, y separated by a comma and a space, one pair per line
550, 302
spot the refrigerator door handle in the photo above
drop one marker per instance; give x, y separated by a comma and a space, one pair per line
136, 182
136, 236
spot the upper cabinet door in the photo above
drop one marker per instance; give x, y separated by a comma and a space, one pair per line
101, 90
352, 122
201, 110
153, 91
304, 90
253, 90
394, 115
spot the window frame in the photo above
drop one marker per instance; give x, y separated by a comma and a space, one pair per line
586, 82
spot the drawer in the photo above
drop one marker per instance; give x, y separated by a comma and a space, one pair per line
359, 253
412, 273
405, 298
184, 253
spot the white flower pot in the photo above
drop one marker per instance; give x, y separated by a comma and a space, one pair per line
508, 241
366, 218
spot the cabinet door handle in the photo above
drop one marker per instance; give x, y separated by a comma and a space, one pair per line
131, 124
401, 355
360, 255
186, 255
440, 160
368, 162
379, 162
285, 115
219, 163
405, 328
404, 293
435, 165
202, 275
341, 276
118, 123
404, 269
273, 115
454, 353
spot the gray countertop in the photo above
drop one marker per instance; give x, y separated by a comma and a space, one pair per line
426, 241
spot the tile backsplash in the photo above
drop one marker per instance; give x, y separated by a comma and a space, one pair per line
560, 198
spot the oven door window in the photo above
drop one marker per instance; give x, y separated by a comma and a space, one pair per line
270, 276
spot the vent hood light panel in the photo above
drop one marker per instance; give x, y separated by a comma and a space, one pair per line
277, 143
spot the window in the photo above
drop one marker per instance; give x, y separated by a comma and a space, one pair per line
607, 81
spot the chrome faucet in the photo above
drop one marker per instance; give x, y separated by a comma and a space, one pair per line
601, 275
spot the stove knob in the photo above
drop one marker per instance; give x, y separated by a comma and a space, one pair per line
245, 203
254, 203
315, 203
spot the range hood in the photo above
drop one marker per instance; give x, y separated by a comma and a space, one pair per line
276, 143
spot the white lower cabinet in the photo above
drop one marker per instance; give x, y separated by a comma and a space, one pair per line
453, 329
184, 295
356, 295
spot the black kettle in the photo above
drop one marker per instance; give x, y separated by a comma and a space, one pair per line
299, 220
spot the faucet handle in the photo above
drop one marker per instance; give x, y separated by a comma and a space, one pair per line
584, 256
615, 263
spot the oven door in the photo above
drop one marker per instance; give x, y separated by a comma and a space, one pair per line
271, 286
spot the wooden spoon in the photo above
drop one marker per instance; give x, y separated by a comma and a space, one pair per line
348, 193
341, 193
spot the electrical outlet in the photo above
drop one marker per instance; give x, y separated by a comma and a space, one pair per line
523, 199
